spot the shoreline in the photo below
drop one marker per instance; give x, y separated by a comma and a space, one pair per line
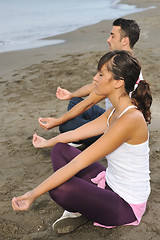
28, 81
35, 55
41, 43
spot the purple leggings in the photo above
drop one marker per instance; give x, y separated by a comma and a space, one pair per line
79, 194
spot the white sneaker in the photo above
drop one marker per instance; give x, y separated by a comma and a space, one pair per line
68, 222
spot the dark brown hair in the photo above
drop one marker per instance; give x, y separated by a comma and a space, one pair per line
124, 66
129, 28
142, 98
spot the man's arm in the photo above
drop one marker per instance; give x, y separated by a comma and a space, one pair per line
64, 94
92, 99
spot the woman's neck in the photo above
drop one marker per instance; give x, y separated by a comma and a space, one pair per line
120, 103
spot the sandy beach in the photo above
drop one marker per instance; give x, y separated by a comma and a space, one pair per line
28, 83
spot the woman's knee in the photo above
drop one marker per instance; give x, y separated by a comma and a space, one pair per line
62, 193
58, 148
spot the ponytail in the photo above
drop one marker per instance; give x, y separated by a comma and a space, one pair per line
142, 98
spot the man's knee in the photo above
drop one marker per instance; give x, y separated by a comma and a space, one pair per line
74, 101
64, 127
70, 125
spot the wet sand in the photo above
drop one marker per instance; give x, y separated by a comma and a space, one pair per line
28, 84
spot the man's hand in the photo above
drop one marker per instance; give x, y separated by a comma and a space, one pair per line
48, 123
63, 94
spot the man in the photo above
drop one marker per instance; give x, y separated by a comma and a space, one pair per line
124, 35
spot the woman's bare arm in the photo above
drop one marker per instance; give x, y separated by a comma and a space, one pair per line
123, 130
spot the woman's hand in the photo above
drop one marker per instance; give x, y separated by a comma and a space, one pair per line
63, 94
48, 123
23, 202
39, 142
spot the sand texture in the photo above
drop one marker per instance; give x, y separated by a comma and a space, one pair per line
28, 83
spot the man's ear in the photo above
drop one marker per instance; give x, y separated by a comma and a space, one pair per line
125, 41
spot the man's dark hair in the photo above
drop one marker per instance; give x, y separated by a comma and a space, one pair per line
129, 28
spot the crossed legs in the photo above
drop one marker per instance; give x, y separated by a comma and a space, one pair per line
79, 194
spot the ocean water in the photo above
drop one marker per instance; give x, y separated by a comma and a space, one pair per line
23, 24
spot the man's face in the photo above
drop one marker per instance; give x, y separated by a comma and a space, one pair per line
114, 41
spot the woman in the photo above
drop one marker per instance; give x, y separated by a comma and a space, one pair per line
116, 195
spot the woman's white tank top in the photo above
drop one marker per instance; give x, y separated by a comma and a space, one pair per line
128, 170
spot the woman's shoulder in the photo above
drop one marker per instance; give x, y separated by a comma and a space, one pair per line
134, 115
137, 126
